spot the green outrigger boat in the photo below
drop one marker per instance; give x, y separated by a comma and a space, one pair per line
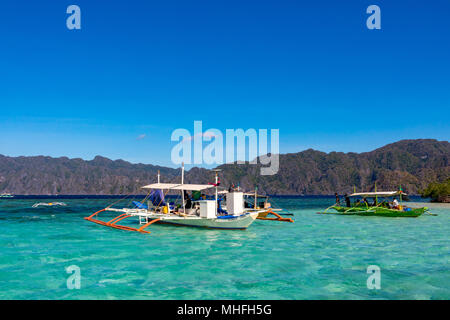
382, 209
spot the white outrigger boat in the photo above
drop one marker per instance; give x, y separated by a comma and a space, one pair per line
192, 213
48, 204
252, 200
6, 195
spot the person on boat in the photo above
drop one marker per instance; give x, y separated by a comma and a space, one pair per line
188, 201
338, 201
364, 200
395, 204
374, 202
347, 201
196, 195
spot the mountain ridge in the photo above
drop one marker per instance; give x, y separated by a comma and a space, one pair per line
410, 163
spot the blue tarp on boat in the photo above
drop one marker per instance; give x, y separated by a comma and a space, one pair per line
157, 197
140, 205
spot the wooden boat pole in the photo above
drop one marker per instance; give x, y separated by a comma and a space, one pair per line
216, 182
217, 191
401, 192
182, 191
376, 196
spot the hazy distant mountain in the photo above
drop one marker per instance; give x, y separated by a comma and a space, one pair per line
46, 175
410, 163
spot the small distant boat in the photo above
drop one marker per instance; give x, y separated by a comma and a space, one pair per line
384, 208
260, 202
49, 204
6, 195
198, 212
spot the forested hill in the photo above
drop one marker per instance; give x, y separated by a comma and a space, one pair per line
410, 163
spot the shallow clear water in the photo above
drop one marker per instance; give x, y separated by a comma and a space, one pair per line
317, 257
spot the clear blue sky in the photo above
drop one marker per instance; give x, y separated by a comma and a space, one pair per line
312, 70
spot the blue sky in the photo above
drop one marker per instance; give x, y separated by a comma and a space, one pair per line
312, 70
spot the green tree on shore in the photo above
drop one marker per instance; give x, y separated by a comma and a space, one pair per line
439, 192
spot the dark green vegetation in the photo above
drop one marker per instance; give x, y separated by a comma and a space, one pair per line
438, 192
410, 163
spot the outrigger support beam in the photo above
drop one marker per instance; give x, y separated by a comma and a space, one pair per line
117, 218
278, 217
94, 214
112, 223
147, 224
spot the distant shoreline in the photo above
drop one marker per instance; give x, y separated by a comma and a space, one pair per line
417, 198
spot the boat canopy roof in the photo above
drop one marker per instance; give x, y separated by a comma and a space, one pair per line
178, 186
252, 194
378, 194
248, 194
193, 187
160, 186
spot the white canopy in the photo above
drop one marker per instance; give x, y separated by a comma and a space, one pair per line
161, 186
252, 194
193, 187
378, 194
178, 186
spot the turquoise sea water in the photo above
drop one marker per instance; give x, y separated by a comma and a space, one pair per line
317, 257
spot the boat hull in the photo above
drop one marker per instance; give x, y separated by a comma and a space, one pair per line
377, 211
242, 222
263, 214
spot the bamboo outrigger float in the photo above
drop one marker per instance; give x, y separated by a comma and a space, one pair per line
382, 209
193, 213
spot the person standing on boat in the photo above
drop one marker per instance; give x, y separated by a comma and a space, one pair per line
347, 201
187, 200
364, 200
338, 201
